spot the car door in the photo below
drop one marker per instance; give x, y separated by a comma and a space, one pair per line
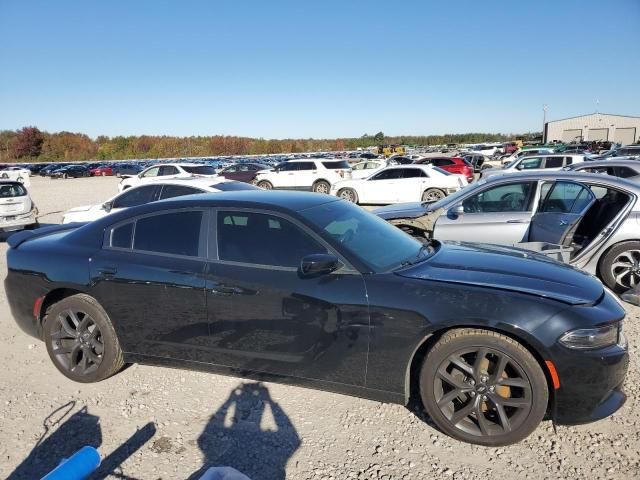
306, 173
284, 175
266, 317
560, 212
411, 185
381, 187
149, 275
496, 214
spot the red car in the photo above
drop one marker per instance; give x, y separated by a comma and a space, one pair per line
451, 164
103, 171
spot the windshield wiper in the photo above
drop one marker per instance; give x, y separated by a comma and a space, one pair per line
426, 247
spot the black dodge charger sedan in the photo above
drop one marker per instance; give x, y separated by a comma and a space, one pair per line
311, 290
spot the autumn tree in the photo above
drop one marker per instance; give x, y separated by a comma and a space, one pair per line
27, 143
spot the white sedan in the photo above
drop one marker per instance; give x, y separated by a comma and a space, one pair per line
166, 171
18, 174
366, 169
140, 195
402, 183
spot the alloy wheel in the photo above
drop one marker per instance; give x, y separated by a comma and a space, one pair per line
322, 187
348, 195
483, 391
626, 269
76, 342
432, 196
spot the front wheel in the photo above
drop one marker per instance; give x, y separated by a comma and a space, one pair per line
482, 387
620, 268
321, 187
81, 340
265, 185
433, 195
348, 194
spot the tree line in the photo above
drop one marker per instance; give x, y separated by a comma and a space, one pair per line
29, 144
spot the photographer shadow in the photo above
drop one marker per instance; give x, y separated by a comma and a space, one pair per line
241, 434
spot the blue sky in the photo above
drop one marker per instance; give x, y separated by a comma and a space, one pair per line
277, 69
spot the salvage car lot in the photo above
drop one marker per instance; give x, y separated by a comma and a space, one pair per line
277, 429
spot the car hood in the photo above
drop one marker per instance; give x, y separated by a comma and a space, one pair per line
403, 210
507, 268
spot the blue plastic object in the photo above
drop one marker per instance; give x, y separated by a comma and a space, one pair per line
77, 467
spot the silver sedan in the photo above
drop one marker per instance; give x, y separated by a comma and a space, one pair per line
590, 221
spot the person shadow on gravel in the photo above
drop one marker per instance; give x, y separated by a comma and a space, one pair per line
71, 433
241, 434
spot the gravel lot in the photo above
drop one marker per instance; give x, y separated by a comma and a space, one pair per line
158, 423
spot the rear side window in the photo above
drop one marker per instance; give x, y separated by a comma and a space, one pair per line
198, 170
625, 172
340, 164
553, 162
413, 173
176, 233
12, 190
567, 197
262, 239
171, 191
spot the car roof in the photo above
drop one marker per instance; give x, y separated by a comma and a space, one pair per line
607, 163
567, 175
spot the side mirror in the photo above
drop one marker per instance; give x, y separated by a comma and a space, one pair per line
519, 167
318, 264
107, 206
455, 212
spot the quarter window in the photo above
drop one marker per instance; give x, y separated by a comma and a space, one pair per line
176, 233
262, 239
121, 236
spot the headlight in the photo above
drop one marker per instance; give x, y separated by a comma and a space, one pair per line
592, 338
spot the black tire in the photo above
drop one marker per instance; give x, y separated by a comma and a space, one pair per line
348, 194
486, 167
64, 175
80, 339
471, 400
4, 175
433, 195
265, 184
321, 186
618, 267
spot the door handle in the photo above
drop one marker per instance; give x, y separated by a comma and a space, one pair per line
226, 291
515, 221
107, 271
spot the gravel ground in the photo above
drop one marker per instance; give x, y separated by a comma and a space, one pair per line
158, 423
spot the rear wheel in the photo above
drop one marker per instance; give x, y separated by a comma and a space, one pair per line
348, 194
620, 267
482, 387
64, 175
321, 187
80, 339
433, 195
4, 175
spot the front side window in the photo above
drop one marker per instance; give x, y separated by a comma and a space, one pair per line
286, 167
152, 172
231, 169
360, 166
305, 166
391, 174
530, 163
263, 239
175, 233
135, 197
513, 197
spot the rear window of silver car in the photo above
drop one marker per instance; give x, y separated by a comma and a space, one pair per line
12, 190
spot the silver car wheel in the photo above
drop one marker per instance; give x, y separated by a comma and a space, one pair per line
626, 269
433, 195
348, 195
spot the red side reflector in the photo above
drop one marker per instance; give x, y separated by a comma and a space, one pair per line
554, 374
37, 305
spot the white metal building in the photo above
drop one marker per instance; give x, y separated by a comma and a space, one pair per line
621, 129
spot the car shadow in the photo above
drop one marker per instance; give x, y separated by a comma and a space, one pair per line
249, 432
64, 433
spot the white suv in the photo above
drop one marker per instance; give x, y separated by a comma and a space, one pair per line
166, 171
315, 174
547, 162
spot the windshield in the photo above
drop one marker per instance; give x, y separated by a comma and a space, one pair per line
377, 243
200, 169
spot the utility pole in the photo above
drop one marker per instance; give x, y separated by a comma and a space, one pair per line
544, 121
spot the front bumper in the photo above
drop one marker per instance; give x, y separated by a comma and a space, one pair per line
591, 381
